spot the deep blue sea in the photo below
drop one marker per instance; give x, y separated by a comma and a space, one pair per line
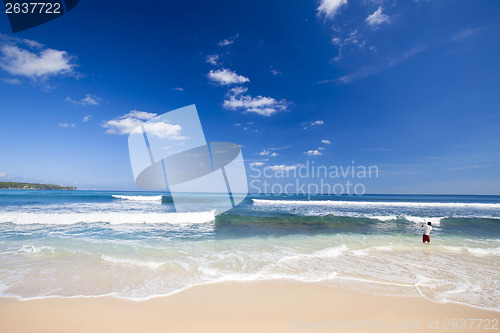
134, 245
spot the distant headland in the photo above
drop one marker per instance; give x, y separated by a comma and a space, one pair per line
33, 186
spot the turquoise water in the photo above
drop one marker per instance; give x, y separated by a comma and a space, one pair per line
134, 245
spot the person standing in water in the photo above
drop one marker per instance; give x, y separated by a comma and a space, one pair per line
427, 232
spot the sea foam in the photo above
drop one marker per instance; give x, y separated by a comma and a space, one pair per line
374, 204
108, 217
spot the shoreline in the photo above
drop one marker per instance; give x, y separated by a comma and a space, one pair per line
260, 306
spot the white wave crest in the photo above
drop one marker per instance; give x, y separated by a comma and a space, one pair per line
367, 204
112, 218
420, 219
31, 249
383, 218
138, 197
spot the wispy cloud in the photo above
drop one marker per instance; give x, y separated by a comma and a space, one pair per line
283, 167
275, 72
12, 81
213, 59
226, 77
326, 142
343, 41
22, 57
367, 71
66, 125
87, 100
229, 41
315, 123
86, 118
329, 8
405, 56
247, 126
361, 73
375, 149
377, 18
179, 89
265, 106
2, 174
464, 34
257, 164
468, 167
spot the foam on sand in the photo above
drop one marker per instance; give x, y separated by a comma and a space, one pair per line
127, 262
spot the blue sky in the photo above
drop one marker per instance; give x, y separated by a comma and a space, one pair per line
409, 86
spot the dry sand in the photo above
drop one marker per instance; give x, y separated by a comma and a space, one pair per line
272, 306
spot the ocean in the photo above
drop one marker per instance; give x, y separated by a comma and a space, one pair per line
134, 245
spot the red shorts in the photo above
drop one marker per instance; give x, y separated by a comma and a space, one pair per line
426, 238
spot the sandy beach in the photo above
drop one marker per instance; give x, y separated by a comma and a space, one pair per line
271, 306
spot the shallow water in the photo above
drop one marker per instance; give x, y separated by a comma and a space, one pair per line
134, 245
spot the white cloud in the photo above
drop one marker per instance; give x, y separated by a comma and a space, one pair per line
179, 89
86, 118
283, 167
330, 7
377, 18
140, 115
238, 90
11, 81
266, 152
327, 142
165, 130
126, 123
314, 152
229, 41
90, 100
226, 77
265, 106
213, 59
66, 125
87, 100
313, 123
257, 164
18, 61
2, 174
